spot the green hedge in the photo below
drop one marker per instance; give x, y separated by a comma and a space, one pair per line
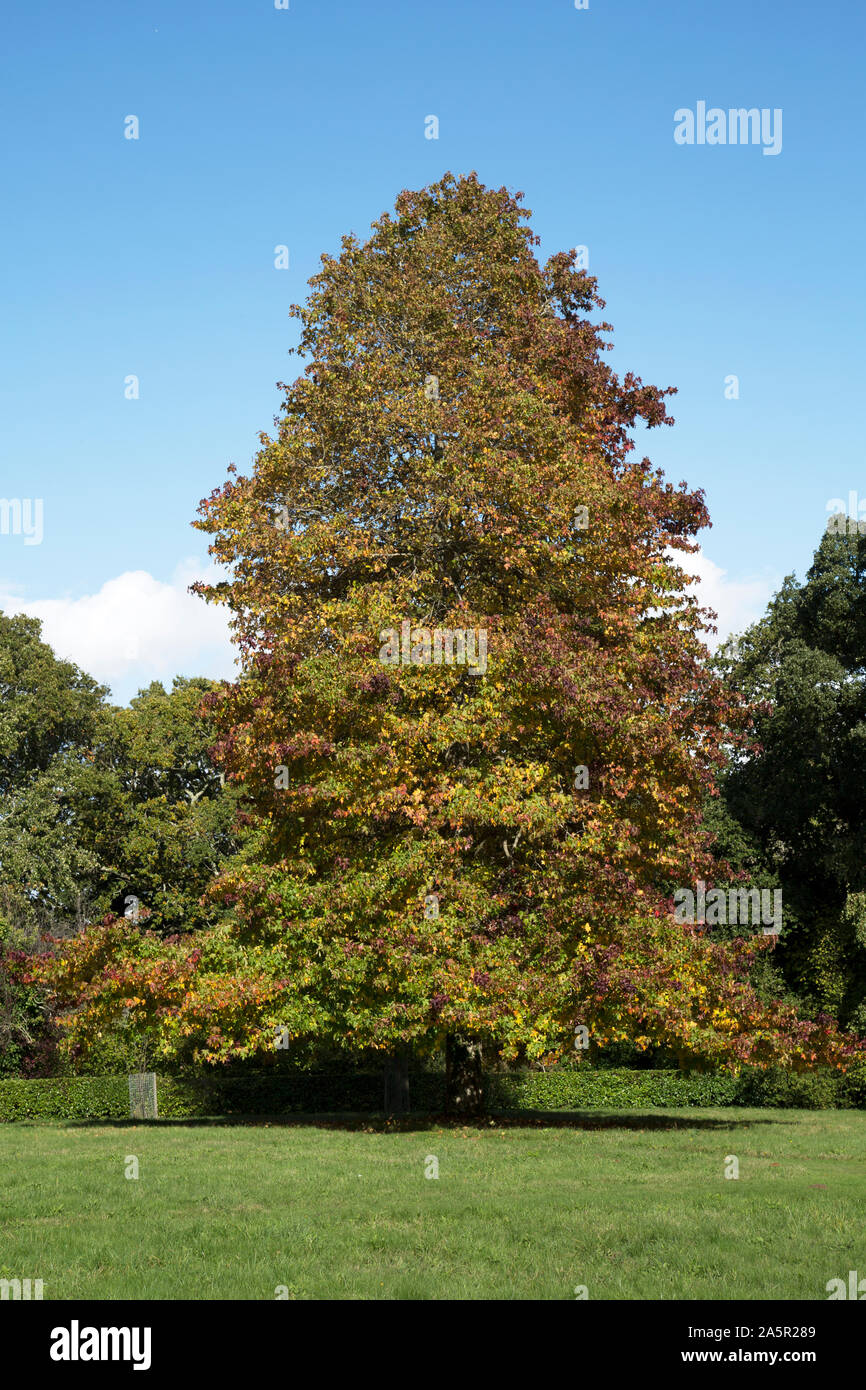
585, 1088
65, 1098
280, 1093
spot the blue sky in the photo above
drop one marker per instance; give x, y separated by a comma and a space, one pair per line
260, 127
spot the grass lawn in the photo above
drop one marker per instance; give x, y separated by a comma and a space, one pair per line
631, 1204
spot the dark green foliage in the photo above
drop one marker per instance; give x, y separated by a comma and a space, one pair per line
164, 824
47, 707
100, 803
784, 1090
792, 811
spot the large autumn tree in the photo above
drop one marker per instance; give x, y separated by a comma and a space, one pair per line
440, 851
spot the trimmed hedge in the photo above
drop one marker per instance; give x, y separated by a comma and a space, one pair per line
279, 1093
65, 1098
585, 1088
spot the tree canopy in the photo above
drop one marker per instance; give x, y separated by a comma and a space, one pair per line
474, 724
798, 796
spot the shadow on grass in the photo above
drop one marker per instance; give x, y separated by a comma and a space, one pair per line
382, 1124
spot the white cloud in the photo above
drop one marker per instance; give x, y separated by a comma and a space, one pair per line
738, 602
136, 629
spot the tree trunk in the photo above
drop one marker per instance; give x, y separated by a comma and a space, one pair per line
463, 1075
397, 1082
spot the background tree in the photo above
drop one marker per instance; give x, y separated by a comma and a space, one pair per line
162, 826
98, 804
50, 712
798, 798
101, 803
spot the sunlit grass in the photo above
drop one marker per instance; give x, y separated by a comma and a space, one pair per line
631, 1205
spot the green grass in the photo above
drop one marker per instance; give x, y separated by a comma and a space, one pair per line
630, 1204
